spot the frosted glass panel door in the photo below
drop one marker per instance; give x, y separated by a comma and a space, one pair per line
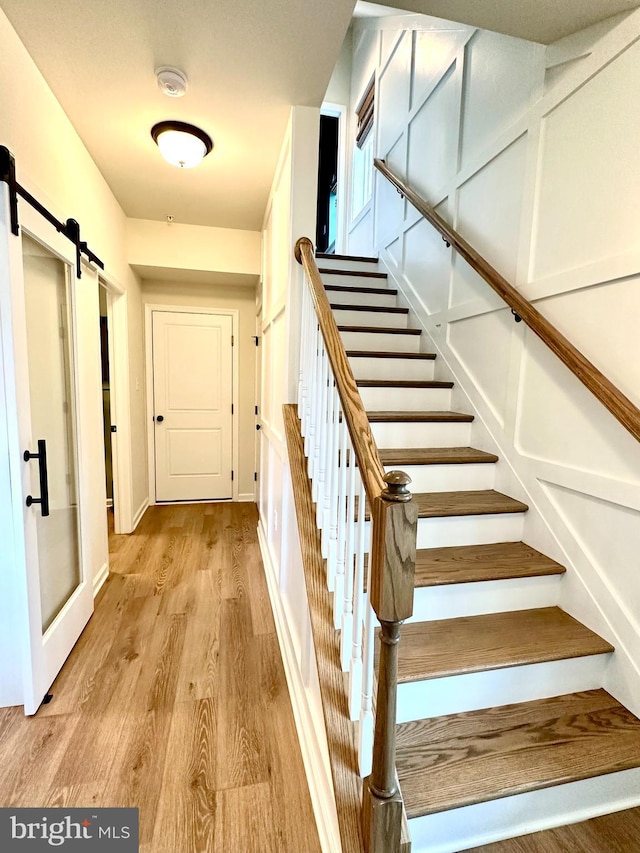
50, 357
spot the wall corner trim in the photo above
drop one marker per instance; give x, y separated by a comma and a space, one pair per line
138, 516
100, 578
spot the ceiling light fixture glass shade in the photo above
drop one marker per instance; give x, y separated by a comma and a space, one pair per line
181, 144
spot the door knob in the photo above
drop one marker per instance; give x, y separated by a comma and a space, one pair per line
159, 418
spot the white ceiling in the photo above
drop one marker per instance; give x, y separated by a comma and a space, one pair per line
247, 61
544, 21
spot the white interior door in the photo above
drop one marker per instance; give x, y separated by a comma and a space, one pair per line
58, 596
192, 402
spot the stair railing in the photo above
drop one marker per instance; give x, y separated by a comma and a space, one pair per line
349, 484
626, 412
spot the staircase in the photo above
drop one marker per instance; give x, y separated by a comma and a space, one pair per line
504, 727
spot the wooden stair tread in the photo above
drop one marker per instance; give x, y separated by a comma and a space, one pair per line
475, 502
343, 288
379, 309
329, 256
419, 417
353, 273
474, 757
382, 330
357, 353
445, 647
403, 383
473, 563
434, 455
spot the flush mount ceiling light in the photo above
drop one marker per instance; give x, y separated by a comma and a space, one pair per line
181, 144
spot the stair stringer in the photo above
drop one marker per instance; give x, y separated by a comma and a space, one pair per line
585, 592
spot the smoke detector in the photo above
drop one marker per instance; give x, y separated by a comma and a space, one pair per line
171, 81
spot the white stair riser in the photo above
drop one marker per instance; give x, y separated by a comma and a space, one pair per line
409, 434
470, 530
474, 599
406, 399
484, 823
380, 341
353, 280
384, 319
392, 368
456, 694
448, 478
340, 297
334, 263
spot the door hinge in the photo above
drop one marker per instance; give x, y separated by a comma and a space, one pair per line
256, 339
114, 428
256, 410
255, 476
233, 340
232, 408
232, 474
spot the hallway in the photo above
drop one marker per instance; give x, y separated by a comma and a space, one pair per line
174, 700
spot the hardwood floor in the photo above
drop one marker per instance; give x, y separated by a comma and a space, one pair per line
174, 699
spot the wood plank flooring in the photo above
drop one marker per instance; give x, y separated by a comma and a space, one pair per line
174, 699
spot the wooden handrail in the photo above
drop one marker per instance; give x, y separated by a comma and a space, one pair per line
394, 517
364, 446
620, 406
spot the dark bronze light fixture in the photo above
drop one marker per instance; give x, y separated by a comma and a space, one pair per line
181, 144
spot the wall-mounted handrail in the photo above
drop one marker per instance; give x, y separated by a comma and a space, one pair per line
626, 412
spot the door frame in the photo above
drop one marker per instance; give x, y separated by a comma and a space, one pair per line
234, 313
340, 112
118, 325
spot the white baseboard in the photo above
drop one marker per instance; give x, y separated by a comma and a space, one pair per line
100, 578
318, 774
246, 497
138, 516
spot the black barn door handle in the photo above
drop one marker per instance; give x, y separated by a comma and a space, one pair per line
41, 456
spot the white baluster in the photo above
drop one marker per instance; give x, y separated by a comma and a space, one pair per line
332, 557
359, 604
346, 635
328, 465
365, 730
338, 595
304, 333
308, 366
313, 363
322, 438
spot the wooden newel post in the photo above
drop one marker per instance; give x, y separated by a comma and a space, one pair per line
393, 560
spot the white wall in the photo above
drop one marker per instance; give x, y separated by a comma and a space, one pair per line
54, 165
533, 155
290, 214
216, 296
192, 247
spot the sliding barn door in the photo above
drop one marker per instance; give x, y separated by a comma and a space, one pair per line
48, 575
192, 401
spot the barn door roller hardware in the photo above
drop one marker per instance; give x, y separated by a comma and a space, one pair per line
70, 228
